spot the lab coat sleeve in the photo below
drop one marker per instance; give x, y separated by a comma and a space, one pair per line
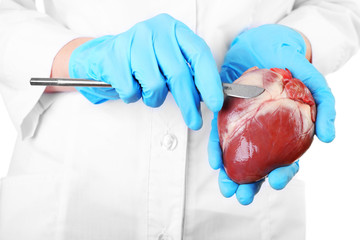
333, 28
29, 40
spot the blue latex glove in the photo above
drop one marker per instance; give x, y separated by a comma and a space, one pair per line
147, 61
272, 46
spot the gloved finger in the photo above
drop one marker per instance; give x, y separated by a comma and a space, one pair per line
98, 95
119, 73
246, 192
179, 79
302, 69
99, 66
280, 177
199, 56
214, 149
227, 186
145, 69
229, 75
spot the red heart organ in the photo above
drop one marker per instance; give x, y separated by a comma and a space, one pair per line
272, 130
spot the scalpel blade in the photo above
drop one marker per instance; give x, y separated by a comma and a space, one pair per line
242, 91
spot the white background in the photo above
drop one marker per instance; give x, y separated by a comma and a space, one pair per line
330, 171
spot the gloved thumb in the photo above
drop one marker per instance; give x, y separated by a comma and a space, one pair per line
303, 70
280, 177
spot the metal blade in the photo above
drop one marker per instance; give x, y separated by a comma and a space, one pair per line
242, 91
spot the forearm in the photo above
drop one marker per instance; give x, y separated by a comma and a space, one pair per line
60, 66
308, 53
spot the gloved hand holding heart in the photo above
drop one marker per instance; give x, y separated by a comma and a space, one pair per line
264, 136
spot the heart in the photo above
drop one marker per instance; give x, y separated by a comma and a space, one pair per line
269, 131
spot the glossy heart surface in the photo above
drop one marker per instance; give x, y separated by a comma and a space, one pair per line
271, 130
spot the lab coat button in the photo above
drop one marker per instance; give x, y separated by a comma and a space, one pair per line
169, 142
164, 236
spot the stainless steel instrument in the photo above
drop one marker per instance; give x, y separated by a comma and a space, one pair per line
230, 89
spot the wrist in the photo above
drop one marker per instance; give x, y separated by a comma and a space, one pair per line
308, 53
60, 65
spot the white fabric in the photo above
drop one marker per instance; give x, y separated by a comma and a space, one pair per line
118, 171
332, 28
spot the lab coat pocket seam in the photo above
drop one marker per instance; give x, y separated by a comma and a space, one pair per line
44, 105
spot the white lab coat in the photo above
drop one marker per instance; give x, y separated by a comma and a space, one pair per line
118, 171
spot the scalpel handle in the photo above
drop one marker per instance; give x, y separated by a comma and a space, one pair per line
69, 82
